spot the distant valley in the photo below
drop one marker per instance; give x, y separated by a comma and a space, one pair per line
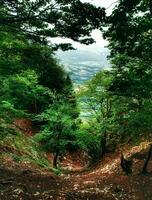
83, 64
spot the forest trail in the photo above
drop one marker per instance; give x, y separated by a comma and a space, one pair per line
105, 181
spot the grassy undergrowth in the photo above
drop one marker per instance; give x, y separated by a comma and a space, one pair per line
22, 149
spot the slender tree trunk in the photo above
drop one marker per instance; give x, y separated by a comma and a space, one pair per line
150, 4
55, 159
144, 170
103, 144
57, 151
35, 106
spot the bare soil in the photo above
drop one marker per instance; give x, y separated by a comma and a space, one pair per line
105, 181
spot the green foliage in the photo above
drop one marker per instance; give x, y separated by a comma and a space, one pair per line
57, 135
19, 54
39, 20
100, 104
35, 86
130, 42
29, 74
121, 113
16, 158
96, 95
57, 171
89, 141
23, 149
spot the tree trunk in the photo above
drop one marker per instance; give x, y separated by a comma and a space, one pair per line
103, 144
55, 159
144, 171
150, 4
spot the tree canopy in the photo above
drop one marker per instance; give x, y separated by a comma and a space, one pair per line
41, 20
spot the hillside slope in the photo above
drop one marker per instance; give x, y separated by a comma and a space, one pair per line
105, 181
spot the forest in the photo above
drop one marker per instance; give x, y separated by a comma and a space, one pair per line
47, 149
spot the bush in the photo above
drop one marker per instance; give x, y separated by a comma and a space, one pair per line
89, 142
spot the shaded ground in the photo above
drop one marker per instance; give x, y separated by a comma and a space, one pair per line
105, 181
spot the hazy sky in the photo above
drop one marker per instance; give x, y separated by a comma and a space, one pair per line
101, 3
100, 43
87, 59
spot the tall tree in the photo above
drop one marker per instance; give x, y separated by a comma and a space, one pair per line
130, 42
58, 132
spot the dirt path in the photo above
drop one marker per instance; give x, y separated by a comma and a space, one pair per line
106, 182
